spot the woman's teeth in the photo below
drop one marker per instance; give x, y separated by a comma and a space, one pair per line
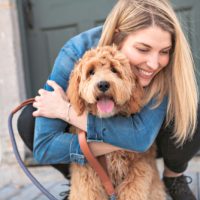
145, 72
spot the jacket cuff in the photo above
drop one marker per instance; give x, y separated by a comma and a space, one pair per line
95, 129
76, 155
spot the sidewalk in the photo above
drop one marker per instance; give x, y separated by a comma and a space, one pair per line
14, 185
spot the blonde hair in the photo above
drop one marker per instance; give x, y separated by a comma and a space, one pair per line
177, 80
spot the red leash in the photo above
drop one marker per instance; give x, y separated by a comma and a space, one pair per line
95, 164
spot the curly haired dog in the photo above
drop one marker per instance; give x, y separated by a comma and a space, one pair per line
104, 84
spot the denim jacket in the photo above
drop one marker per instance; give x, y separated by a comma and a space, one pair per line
52, 145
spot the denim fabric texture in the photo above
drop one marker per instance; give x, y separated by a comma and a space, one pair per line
52, 145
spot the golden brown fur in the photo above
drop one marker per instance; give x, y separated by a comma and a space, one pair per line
134, 175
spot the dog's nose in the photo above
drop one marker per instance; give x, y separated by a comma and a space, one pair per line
103, 86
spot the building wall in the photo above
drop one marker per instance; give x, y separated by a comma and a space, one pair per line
12, 90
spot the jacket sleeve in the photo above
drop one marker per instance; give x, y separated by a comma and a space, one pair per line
136, 133
51, 143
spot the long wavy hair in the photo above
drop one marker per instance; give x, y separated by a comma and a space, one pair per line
177, 80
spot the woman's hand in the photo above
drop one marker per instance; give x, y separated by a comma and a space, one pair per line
56, 105
52, 104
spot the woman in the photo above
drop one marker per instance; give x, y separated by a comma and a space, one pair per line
149, 34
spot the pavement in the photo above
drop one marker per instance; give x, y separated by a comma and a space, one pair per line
15, 185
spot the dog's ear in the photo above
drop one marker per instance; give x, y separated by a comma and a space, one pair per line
73, 90
136, 103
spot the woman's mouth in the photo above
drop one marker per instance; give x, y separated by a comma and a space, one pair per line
145, 74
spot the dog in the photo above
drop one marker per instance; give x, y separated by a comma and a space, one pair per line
103, 84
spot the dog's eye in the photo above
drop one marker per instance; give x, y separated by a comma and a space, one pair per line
91, 72
113, 69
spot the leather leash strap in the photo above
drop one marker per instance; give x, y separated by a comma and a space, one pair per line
88, 154
28, 101
95, 164
17, 154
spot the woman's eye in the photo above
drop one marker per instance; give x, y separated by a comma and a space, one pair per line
142, 50
165, 52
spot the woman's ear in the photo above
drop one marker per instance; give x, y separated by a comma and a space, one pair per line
73, 93
136, 103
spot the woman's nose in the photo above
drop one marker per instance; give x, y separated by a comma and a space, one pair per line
153, 61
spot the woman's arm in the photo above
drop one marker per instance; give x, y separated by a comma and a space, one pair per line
47, 106
51, 143
134, 133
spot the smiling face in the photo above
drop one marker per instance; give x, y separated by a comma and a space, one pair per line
148, 51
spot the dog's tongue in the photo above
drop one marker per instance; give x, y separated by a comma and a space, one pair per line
105, 105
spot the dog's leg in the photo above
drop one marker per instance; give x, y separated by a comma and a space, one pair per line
157, 187
85, 184
136, 185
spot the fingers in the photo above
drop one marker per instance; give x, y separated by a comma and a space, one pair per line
36, 105
38, 113
35, 113
42, 91
37, 98
54, 85
57, 89
51, 83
